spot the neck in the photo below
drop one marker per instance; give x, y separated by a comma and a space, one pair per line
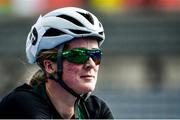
61, 99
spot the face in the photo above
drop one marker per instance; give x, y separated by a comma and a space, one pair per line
81, 77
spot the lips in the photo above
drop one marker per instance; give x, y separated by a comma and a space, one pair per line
87, 76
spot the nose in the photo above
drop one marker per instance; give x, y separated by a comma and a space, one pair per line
90, 64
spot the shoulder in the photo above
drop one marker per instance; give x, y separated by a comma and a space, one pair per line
22, 102
17, 94
22, 94
98, 108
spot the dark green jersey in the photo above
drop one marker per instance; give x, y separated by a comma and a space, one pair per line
32, 102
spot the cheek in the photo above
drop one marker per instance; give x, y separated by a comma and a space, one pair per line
70, 71
96, 72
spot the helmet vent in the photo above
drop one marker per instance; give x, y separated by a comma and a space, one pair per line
100, 25
88, 17
71, 19
101, 33
79, 31
53, 32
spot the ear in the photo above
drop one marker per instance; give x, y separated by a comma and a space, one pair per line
50, 66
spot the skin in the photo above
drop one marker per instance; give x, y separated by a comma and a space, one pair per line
84, 76
81, 78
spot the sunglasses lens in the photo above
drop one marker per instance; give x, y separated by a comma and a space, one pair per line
95, 55
75, 56
81, 55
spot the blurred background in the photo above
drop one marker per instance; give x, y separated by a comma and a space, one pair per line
140, 71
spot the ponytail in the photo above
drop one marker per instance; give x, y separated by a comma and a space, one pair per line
38, 78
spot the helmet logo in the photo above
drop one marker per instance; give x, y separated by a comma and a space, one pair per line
33, 36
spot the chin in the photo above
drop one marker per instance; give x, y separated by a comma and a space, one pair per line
88, 89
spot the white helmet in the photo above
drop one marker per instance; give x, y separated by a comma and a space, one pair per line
60, 26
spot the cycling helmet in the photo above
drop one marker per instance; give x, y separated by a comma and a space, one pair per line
60, 26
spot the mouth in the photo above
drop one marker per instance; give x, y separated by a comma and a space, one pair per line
87, 76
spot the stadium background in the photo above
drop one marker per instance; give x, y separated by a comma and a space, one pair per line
140, 71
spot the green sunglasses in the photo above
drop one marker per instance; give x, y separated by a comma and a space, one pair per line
81, 55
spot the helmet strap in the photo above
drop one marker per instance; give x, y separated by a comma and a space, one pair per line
58, 75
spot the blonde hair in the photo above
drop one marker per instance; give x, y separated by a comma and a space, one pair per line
38, 78
40, 75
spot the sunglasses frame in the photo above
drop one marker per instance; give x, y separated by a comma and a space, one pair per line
81, 55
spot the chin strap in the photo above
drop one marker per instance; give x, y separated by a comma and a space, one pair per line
79, 105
